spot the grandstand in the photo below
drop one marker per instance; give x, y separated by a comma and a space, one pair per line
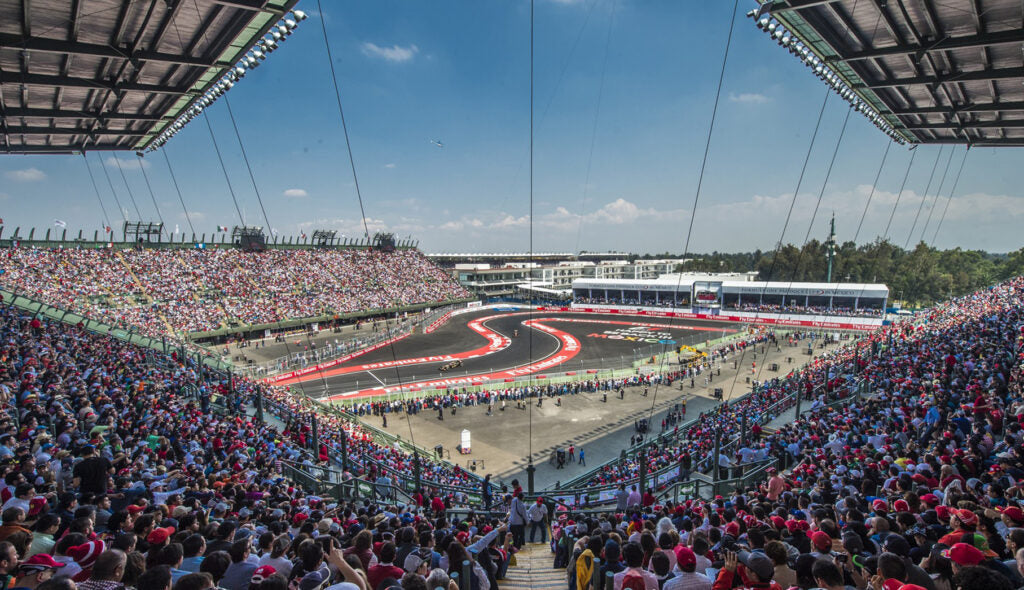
134, 459
206, 292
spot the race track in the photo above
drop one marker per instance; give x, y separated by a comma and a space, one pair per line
548, 344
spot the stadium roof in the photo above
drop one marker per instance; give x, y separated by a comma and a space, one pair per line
937, 72
113, 74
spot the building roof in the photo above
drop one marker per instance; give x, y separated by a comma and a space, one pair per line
936, 72
114, 74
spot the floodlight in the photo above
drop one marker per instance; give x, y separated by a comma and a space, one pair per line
299, 15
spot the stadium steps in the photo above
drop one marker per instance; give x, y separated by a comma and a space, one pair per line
142, 288
533, 570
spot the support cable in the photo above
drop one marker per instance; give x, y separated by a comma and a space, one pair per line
120, 209
106, 219
593, 129
344, 126
938, 192
152, 196
924, 197
131, 195
951, 191
181, 199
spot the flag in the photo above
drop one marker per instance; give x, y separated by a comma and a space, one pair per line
222, 228
107, 229
273, 231
176, 229
1, 220
59, 223
303, 234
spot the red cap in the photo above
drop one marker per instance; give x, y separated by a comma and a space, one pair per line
911, 587
901, 506
262, 573
964, 554
135, 509
1013, 513
943, 512
39, 562
930, 499
159, 535
821, 541
966, 516
685, 556
778, 522
733, 529
879, 505
793, 526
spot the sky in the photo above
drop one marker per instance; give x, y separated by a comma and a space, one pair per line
623, 98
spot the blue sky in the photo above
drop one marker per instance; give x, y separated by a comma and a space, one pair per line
458, 72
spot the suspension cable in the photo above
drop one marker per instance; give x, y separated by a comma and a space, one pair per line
953, 190
181, 199
899, 195
924, 197
223, 168
874, 187
696, 196
593, 129
344, 126
106, 219
245, 158
938, 192
149, 187
131, 195
120, 209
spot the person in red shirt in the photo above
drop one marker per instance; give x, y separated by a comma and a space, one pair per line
385, 568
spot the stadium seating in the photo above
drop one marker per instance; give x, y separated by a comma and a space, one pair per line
197, 290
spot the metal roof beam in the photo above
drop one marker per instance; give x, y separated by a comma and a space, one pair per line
64, 82
978, 76
43, 130
1014, 124
1007, 106
52, 149
73, 48
254, 5
72, 114
786, 5
982, 40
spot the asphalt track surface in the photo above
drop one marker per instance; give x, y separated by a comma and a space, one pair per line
547, 343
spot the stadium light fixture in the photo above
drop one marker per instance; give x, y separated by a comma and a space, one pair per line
256, 53
788, 39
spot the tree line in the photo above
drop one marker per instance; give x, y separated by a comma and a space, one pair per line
918, 277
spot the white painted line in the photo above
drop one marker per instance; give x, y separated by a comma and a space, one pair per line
370, 373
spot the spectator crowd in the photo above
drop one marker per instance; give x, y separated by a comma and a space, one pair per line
197, 290
918, 485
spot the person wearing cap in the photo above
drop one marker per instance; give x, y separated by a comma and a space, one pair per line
385, 568
757, 571
963, 555
688, 577
963, 522
35, 570
538, 515
417, 562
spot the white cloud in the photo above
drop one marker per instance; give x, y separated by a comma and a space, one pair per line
389, 165
127, 163
295, 193
748, 98
26, 175
394, 54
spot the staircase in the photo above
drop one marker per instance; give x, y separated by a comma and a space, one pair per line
533, 570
